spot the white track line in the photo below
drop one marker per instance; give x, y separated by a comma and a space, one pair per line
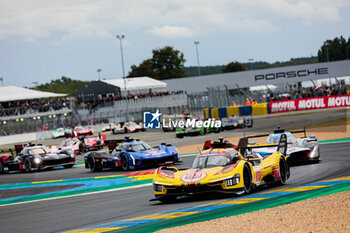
81, 194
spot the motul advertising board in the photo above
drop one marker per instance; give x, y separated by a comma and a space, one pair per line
310, 103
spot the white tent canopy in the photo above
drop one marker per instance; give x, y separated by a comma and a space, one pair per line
138, 84
12, 93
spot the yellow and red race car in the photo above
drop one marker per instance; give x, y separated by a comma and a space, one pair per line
223, 167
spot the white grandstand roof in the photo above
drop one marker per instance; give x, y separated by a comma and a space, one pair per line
263, 88
12, 93
136, 83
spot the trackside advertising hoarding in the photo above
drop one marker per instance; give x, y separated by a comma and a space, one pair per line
310, 103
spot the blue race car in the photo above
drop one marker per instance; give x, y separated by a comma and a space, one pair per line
131, 154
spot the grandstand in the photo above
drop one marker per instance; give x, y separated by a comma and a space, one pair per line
26, 110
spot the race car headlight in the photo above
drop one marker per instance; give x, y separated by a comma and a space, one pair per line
158, 187
37, 160
232, 181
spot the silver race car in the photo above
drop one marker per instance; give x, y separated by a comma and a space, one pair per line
299, 150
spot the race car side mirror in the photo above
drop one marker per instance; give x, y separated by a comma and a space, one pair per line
282, 145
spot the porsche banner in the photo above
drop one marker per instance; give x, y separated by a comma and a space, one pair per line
310, 103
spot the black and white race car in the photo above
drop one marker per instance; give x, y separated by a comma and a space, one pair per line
32, 157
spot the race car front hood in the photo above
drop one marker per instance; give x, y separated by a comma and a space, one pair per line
54, 156
202, 176
149, 154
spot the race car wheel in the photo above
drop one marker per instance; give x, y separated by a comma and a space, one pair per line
27, 165
179, 136
68, 166
126, 130
1, 168
247, 179
81, 148
92, 165
282, 171
125, 162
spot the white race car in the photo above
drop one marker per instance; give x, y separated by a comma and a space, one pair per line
109, 127
57, 133
299, 150
128, 127
73, 144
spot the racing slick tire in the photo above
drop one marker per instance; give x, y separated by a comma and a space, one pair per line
81, 149
125, 162
179, 136
247, 179
1, 168
92, 165
68, 166
27, 165
283, 171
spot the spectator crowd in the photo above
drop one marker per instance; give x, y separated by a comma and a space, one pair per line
93, 103
309, 93
32, 106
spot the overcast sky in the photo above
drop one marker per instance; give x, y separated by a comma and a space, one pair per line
41, 40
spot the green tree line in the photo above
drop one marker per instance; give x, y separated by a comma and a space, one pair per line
63, 85
334, 50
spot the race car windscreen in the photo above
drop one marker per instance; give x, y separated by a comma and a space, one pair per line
275, 138
39, 151
138, 147
79, 128
210, 161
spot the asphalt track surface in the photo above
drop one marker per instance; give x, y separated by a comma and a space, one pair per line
82, 211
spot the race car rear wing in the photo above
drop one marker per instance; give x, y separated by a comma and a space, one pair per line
112, 144
9, 151
281, 146
278, 130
